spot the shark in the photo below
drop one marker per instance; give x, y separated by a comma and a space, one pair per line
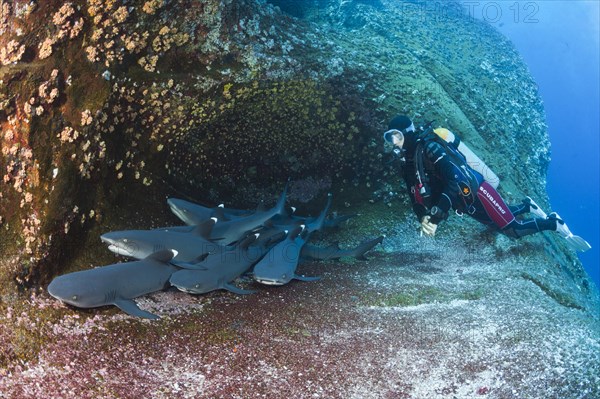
279, 265
219, 270
334, 252
228, 232
192, 244
116, 284
192, 214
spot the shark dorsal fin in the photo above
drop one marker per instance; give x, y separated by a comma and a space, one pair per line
205, 228
163, 256
219, 213
245, 243
295, 232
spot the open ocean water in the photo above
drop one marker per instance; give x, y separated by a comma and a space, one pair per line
560, 42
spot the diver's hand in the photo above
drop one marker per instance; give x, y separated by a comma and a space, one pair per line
427, 227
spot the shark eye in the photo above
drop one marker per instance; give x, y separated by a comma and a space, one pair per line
74, 297
197, 286
124, 239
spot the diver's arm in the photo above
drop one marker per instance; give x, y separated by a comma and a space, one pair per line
418, 209
445, 169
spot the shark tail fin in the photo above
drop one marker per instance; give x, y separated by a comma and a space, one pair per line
359, 252
336, 221
320, 222
281, 202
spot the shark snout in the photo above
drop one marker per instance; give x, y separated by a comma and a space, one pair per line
117, 245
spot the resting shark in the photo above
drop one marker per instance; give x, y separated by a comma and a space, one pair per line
278, 266
116, 284
191, 243
329, 223
193, 214
227, 232
334, 251
219, 270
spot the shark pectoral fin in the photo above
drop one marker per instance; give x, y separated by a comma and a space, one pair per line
236, 290
304, 278
130, 307
190, 265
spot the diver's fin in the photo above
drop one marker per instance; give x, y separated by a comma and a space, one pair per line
236, 290
578, 243
575, 242
535, 208
304, 278
130, 307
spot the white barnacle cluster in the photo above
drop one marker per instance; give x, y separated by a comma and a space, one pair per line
47, 94
165, 39
12, 52
92, 150
22, 174
67, 26
18, 156
114, 36
90, 147
31, 227
68, 135
110, 39
148, 117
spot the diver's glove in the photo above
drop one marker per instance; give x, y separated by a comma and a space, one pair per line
437, 215
427, 227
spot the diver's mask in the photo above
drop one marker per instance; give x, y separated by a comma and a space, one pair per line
395, 138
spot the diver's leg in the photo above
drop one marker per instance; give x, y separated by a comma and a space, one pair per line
518, 229
528, 205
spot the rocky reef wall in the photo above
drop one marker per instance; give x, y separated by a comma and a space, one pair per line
108, 107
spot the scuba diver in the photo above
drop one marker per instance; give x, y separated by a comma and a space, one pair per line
443, 174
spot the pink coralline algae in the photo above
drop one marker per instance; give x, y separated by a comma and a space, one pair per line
335, 338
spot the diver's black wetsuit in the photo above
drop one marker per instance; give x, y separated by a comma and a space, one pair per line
454, 185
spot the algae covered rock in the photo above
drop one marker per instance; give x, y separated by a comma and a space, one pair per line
109, 107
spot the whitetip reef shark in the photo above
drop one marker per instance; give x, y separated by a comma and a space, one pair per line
229, 231
116, 284
191, 243
219, 270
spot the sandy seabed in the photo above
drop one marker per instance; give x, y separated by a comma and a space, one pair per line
397, 326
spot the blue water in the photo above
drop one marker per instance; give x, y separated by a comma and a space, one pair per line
560, 41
